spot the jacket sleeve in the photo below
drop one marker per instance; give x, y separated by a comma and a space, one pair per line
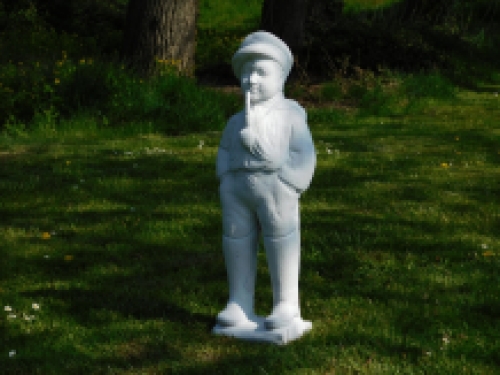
299, 167
222, 163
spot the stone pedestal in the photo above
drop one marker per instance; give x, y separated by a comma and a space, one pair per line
255, 331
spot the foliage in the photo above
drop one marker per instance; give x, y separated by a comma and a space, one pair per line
173, 103
399, 36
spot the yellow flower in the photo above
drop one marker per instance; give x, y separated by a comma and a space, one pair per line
68, 162
59, 63
68, 258
45, 236
488, 253
82, 61
90, 61
444, 165
57, 81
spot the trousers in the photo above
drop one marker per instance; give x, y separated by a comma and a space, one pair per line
258, 201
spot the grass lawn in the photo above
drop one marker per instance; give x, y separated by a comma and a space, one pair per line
111, 257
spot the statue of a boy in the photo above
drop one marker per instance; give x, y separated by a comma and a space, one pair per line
265, 160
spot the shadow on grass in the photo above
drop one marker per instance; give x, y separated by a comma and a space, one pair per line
143, 239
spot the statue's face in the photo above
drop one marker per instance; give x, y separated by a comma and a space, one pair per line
263, 78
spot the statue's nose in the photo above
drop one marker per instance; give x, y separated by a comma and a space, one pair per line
253, 78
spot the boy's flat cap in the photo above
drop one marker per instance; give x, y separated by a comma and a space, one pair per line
264, 44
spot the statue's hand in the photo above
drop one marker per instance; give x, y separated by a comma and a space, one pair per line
248, 137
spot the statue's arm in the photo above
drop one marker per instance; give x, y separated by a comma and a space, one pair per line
222, 162
299, 167
222, 165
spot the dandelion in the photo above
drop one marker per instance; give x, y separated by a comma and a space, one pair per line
7, 309
68, 258
68, 162
45, 236
488, 253
457, 138
35, 306
57, 81
82, 61
444, 165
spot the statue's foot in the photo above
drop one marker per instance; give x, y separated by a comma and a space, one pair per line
282, 315
232, 315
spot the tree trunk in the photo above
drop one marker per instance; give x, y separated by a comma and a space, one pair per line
286, 19
160, 30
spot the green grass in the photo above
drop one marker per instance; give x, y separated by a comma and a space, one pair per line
110, 233
117, 237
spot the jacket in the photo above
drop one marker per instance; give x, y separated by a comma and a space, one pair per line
283, 145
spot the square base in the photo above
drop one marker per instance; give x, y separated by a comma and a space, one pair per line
255, 331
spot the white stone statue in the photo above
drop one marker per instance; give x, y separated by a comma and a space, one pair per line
266, 159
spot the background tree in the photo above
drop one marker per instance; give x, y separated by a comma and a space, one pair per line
286, 19
302, 25
160, 30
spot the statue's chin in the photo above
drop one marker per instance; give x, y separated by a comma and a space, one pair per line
258, 99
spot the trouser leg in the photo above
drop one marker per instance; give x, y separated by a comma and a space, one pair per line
283, 257
240, 255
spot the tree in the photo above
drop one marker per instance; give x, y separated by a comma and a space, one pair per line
286, 19
160, 30
291, 19
303, 25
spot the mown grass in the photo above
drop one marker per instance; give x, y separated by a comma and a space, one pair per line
117, 239
110, 234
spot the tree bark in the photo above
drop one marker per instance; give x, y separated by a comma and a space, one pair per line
286, 19
292, 19
160, 30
